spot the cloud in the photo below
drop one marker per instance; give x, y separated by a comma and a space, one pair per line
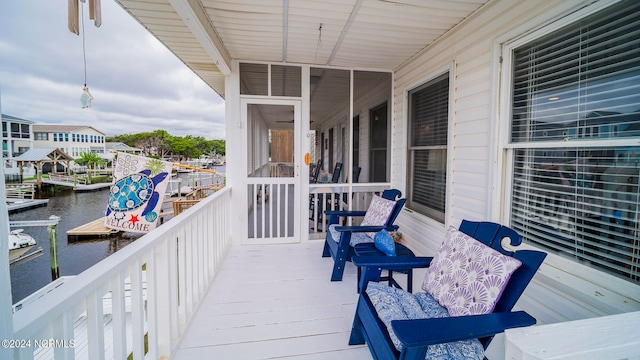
137, 83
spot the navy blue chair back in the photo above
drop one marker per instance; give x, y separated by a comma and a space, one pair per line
337, 170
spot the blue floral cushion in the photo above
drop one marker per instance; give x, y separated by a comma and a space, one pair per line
385, 243
396, 304
359, 238
356, 237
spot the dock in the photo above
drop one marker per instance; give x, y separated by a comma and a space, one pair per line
21, 205
22, 197
93, 187
77, 186
92, 229
26, 257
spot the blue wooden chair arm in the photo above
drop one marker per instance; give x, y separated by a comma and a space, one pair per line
334, 216
423, 332
345, 213
367, 228
392, 262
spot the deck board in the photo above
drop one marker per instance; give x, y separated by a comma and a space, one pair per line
275, 301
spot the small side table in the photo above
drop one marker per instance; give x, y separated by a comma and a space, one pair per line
401, 250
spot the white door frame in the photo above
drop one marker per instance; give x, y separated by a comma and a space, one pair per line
271, 185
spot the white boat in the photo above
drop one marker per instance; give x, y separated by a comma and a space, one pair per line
19, 243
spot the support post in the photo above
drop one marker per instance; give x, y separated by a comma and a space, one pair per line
6, 315
38, 167
53, 248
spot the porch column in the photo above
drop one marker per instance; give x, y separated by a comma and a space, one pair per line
38, 166
236, 164
6, 302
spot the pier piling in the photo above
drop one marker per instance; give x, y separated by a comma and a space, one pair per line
53, 247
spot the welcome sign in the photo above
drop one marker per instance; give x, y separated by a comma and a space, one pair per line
136, 195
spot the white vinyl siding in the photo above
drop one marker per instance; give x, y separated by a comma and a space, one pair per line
576, 91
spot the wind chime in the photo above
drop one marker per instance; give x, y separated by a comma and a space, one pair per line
96, 16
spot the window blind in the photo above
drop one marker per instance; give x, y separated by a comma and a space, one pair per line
581, 203
429, 122
580, 84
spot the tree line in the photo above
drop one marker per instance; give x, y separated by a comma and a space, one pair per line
161, 144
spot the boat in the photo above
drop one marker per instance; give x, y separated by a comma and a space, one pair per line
19, 244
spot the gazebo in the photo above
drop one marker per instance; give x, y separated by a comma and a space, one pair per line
39, 157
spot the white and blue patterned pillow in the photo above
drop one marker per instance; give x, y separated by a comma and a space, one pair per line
466, 276
378, 213
396, 304
356, 237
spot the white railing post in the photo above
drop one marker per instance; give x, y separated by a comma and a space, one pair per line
151, 304
173, 291
137, 309
118, 313
95, 324
6, 318
159, 301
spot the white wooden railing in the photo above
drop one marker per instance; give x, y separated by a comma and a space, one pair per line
149, 291
75, 179
20, 192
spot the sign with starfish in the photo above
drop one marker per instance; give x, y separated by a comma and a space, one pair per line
136, 195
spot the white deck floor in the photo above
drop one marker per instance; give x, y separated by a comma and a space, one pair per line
272, 302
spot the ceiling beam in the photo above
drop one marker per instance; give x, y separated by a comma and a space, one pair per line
345, 30
285, 28
197, 20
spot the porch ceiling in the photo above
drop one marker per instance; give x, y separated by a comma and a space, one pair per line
366, 34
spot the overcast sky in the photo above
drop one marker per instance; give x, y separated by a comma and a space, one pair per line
136, 83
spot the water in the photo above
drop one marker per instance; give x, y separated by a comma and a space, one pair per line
74, 209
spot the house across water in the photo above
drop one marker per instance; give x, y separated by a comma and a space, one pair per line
517, 112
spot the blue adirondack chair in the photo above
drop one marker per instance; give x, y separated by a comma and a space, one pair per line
417, 336
338, 242
335, 178
337, 171
485, 233
314, 177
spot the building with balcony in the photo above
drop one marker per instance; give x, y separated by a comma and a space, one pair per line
461, 105
16, 140
71, 139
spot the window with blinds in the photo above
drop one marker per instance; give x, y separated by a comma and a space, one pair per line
574, 134
429, 119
